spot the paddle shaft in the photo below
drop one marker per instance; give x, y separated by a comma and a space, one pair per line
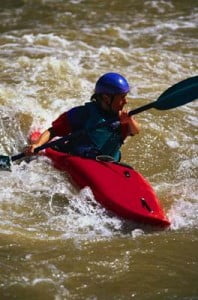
47, 145
141, 109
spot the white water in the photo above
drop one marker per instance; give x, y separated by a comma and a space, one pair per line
55, 240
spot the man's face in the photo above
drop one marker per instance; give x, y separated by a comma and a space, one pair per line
118, 102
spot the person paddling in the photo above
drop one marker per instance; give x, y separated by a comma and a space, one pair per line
94, 140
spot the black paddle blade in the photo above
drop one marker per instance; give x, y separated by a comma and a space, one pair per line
5, 162
179, 94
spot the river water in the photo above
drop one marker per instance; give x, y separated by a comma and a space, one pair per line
56, 242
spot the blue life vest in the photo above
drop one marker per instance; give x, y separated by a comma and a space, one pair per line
94, 141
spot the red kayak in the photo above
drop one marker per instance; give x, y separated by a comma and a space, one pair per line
119, 188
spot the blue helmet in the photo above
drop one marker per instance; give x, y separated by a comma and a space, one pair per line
112, 83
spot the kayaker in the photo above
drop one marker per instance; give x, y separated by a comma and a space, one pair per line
87, 138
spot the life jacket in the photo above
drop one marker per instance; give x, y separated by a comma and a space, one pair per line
94, 141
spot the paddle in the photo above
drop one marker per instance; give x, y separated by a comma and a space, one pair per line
179, 94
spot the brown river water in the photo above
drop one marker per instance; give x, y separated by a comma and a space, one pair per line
56, 242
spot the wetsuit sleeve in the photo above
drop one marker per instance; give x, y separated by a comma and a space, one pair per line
61, 125
70, 121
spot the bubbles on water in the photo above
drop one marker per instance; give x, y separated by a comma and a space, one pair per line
183, 214
137, 233
160, 7
173, 144
11, 136
183, 210
84, 218
43, 202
